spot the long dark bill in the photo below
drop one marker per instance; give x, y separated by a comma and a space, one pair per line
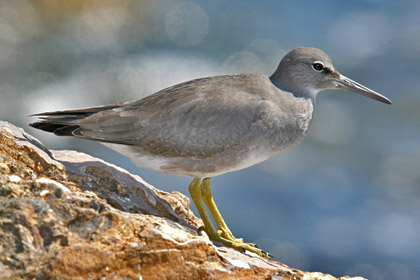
348, 84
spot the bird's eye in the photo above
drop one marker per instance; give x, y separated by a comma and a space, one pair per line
318, 66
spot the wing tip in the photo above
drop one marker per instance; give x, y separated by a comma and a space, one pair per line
57, 129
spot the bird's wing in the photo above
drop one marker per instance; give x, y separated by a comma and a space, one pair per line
199, 118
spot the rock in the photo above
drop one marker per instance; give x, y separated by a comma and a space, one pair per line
67, 215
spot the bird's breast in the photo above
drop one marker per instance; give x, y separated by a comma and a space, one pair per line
284, 124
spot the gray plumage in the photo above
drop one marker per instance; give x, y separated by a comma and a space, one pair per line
210, 126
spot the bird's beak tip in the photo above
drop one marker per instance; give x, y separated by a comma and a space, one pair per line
350, 85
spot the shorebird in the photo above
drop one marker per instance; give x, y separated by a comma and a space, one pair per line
210, 126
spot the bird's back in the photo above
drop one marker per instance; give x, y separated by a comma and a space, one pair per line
199, 128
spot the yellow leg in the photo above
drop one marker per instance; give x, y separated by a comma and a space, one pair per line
207, 196
195, 192
201, 194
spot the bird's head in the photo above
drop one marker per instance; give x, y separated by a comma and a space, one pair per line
307, 71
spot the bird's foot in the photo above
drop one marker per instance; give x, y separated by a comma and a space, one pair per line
229, 236
227, 239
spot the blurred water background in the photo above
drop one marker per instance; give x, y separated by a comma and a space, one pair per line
344, 201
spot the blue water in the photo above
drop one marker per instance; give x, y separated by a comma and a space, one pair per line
344, 201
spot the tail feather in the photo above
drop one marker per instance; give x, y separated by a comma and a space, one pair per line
78, 112
64, 123
58, 129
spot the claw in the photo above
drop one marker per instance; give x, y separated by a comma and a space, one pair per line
267, 254
200, 229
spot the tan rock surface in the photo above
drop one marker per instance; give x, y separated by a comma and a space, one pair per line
66, 215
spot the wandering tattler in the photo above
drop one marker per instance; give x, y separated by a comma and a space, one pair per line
210, 126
